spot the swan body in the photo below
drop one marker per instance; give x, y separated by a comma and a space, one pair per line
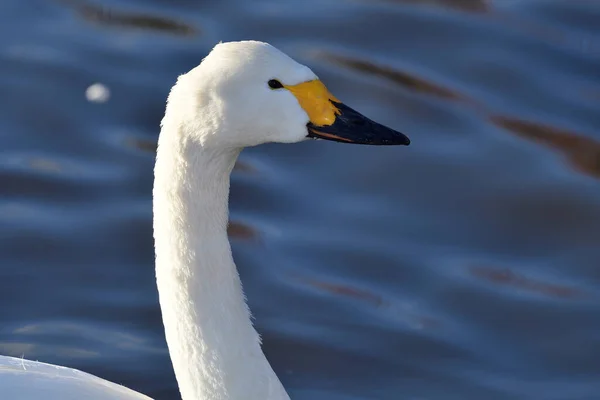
29, 380
242, 94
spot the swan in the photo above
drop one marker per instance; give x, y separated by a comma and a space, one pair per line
242, 94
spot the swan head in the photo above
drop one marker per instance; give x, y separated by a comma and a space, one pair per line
248, 93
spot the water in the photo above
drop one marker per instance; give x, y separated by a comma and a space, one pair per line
465, 266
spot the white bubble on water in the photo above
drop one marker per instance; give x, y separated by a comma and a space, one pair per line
97, 93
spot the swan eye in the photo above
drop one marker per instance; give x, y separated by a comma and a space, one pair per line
275, 84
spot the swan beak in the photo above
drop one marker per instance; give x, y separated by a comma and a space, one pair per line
350, 126
330, 119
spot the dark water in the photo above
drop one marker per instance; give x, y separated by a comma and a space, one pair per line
466, 266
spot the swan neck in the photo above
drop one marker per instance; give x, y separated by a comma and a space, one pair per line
215, 351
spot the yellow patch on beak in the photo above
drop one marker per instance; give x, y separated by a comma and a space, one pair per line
316, 100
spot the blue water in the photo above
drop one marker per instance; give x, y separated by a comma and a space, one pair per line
466, 266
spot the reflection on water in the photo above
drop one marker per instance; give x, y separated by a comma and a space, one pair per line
87, 336
582, 152
396, 76
112, 17
343, 290
463, 5
463, 267
239, 230
507, 277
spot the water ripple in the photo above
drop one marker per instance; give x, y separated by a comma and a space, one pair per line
402, 78
105, 16
582, 152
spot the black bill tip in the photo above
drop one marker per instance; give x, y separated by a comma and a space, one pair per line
350, 126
